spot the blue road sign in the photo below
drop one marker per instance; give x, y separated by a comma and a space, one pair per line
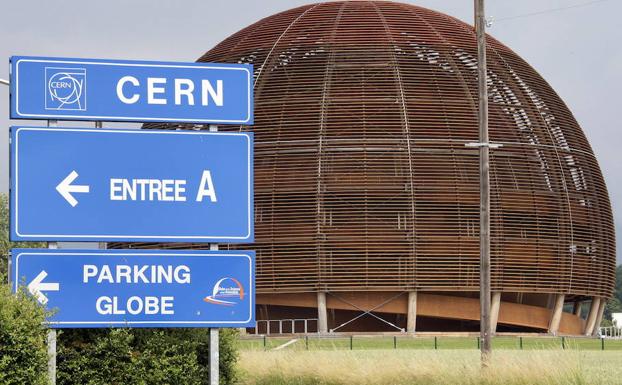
139, 288
120, 90
73, 184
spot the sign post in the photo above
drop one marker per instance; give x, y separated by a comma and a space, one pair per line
100, 185
214, 343
51, 340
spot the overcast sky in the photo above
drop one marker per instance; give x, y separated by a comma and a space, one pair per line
577, 50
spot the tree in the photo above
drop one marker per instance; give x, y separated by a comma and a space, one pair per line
5, 244
614, 304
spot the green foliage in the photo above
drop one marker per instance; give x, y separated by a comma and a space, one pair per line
228, 356
614, 304
618, 291
23, 353
5, 244
142, 357
606, 323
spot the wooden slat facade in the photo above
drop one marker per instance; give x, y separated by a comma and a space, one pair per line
362, 178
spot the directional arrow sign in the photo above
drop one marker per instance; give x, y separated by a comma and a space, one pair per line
65, 188
140, 288
36, 287
72, 184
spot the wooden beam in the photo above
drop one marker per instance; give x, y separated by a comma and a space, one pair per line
556, 314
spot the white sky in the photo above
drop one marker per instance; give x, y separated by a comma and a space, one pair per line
577, 50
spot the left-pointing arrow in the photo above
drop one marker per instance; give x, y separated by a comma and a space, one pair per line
65, 188
36, 287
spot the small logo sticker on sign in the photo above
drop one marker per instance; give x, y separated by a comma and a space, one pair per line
65, 89
227, 291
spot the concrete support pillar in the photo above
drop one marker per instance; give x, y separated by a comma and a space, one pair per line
411, 317
599, 317
494, 310
556, 314
591, 318
322, 317
577, 308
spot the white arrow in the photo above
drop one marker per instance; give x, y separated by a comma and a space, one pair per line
35, 287
65, 188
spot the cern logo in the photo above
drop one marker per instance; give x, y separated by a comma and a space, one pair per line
65, 89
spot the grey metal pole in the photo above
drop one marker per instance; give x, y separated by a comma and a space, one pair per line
8, 256
51, 340
214, 348
484, 165
9, 269
214, 357
52, 356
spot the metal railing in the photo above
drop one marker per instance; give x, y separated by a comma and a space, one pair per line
314, 341
286, 326
610, 332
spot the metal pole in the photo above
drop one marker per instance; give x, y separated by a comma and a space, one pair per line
484, 165
51, 340
214, 359
9, 268
5, 82
214, 351
52, 356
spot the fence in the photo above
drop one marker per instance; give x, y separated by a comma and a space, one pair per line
316, 342
610, 332
285, 326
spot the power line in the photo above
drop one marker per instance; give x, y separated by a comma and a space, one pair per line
551, 10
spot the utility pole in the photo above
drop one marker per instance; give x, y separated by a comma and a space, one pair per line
484, 169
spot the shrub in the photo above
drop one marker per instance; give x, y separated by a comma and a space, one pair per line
142, 357
23, 352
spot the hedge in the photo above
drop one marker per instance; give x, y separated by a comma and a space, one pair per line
23, 351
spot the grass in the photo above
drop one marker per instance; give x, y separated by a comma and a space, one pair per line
430, 367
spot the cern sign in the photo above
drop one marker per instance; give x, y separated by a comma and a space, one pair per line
131, 91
